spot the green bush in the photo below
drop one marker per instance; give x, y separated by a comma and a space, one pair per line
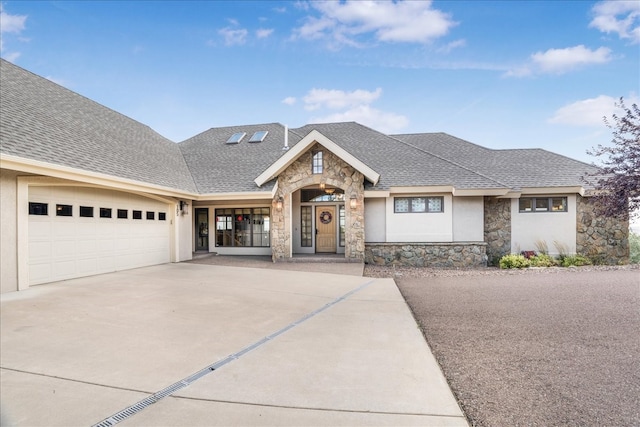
634, 248
514, 261
543, 260
575, 260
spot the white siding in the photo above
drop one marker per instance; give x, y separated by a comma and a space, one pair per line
8, 226
529, 227
420, 227
468, 219
375, 222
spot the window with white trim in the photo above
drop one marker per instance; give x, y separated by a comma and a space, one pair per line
418, 204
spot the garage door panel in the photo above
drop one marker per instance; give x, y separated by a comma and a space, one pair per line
66, 247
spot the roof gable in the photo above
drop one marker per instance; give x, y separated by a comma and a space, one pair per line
305, 144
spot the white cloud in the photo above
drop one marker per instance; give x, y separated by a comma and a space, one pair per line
452, 45
380, 120
289, 100
263, 33
607, 19
401, 21
233, 36
343, 106
10, 24
589, 112
337, 99
560, 61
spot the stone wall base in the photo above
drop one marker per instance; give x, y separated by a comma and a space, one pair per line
440, 255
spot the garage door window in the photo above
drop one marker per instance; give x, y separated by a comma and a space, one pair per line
105, 212
162, 216
86, 211
136, 215
38, 208
64, 210
122, 213
151, 215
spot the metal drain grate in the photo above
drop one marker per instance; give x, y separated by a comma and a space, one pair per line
137, 407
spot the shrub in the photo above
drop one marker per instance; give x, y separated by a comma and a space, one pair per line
542, 247
575, 260
634, 248
543, 260
514, 261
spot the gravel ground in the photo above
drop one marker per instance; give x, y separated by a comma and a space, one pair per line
535, 347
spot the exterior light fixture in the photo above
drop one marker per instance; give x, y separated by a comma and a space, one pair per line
279, 203
322, 186
353, 201
181, 208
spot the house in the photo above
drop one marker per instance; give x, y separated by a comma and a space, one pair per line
86, 190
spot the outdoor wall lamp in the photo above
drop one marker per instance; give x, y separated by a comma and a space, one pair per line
279, 203
322, 186
182, 207
353, 201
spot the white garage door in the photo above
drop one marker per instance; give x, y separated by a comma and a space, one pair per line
80, 231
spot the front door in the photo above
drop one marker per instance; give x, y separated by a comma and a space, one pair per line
326, 229
202, 229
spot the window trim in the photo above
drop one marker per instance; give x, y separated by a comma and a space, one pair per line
549, 199
410, 204
317, 162
61, 210
38, 209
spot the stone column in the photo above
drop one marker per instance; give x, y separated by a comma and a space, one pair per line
497, 228
604, 240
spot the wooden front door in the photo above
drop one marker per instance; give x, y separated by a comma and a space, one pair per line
326, 229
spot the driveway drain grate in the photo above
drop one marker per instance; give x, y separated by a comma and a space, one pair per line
150, 400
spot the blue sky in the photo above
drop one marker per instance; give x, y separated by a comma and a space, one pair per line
503, 74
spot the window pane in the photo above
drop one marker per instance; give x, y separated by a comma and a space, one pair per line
435, 204
38, 208
542, 204
418, 204
105, 212
260, 220
342, 224
305, 227
136, 215
64, 210
317, 162
401, 205
526, 205
151, 215
86, 211
224, 227
122, 213
162, 216
559, 204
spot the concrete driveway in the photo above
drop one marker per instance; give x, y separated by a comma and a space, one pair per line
187, 344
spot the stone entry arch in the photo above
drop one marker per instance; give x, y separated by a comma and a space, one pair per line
336, 173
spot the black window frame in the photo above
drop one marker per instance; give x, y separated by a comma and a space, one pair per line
64, 210
537, 204
151, 215
86, 211
317, 162
136, 214
105, 213
38, 209
162, 216
123, 214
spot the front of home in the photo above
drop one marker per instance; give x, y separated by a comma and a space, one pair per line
85, 190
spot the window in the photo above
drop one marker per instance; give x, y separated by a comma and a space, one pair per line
86, 211
243, 227
316, 162
258, 136
122, 213
306, 234
38, 208
105, 212
341, 223
151, 215
136, 214
543, 204
418, 204
236, 137
162, 216
64, 210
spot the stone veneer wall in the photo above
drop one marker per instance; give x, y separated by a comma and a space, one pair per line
336, 173
440, 255
604, 240
497, 228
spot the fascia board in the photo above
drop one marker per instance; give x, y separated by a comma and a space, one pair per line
37, 167
553, 190
248, 195
297, 150
374, 194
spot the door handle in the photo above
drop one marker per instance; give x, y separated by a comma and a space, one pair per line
316, 231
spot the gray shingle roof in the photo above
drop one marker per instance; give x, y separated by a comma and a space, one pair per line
41, 120
519, 168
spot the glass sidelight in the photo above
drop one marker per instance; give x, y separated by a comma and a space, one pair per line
202, 229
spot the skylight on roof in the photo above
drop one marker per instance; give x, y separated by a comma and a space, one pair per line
236, 137
259, 136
